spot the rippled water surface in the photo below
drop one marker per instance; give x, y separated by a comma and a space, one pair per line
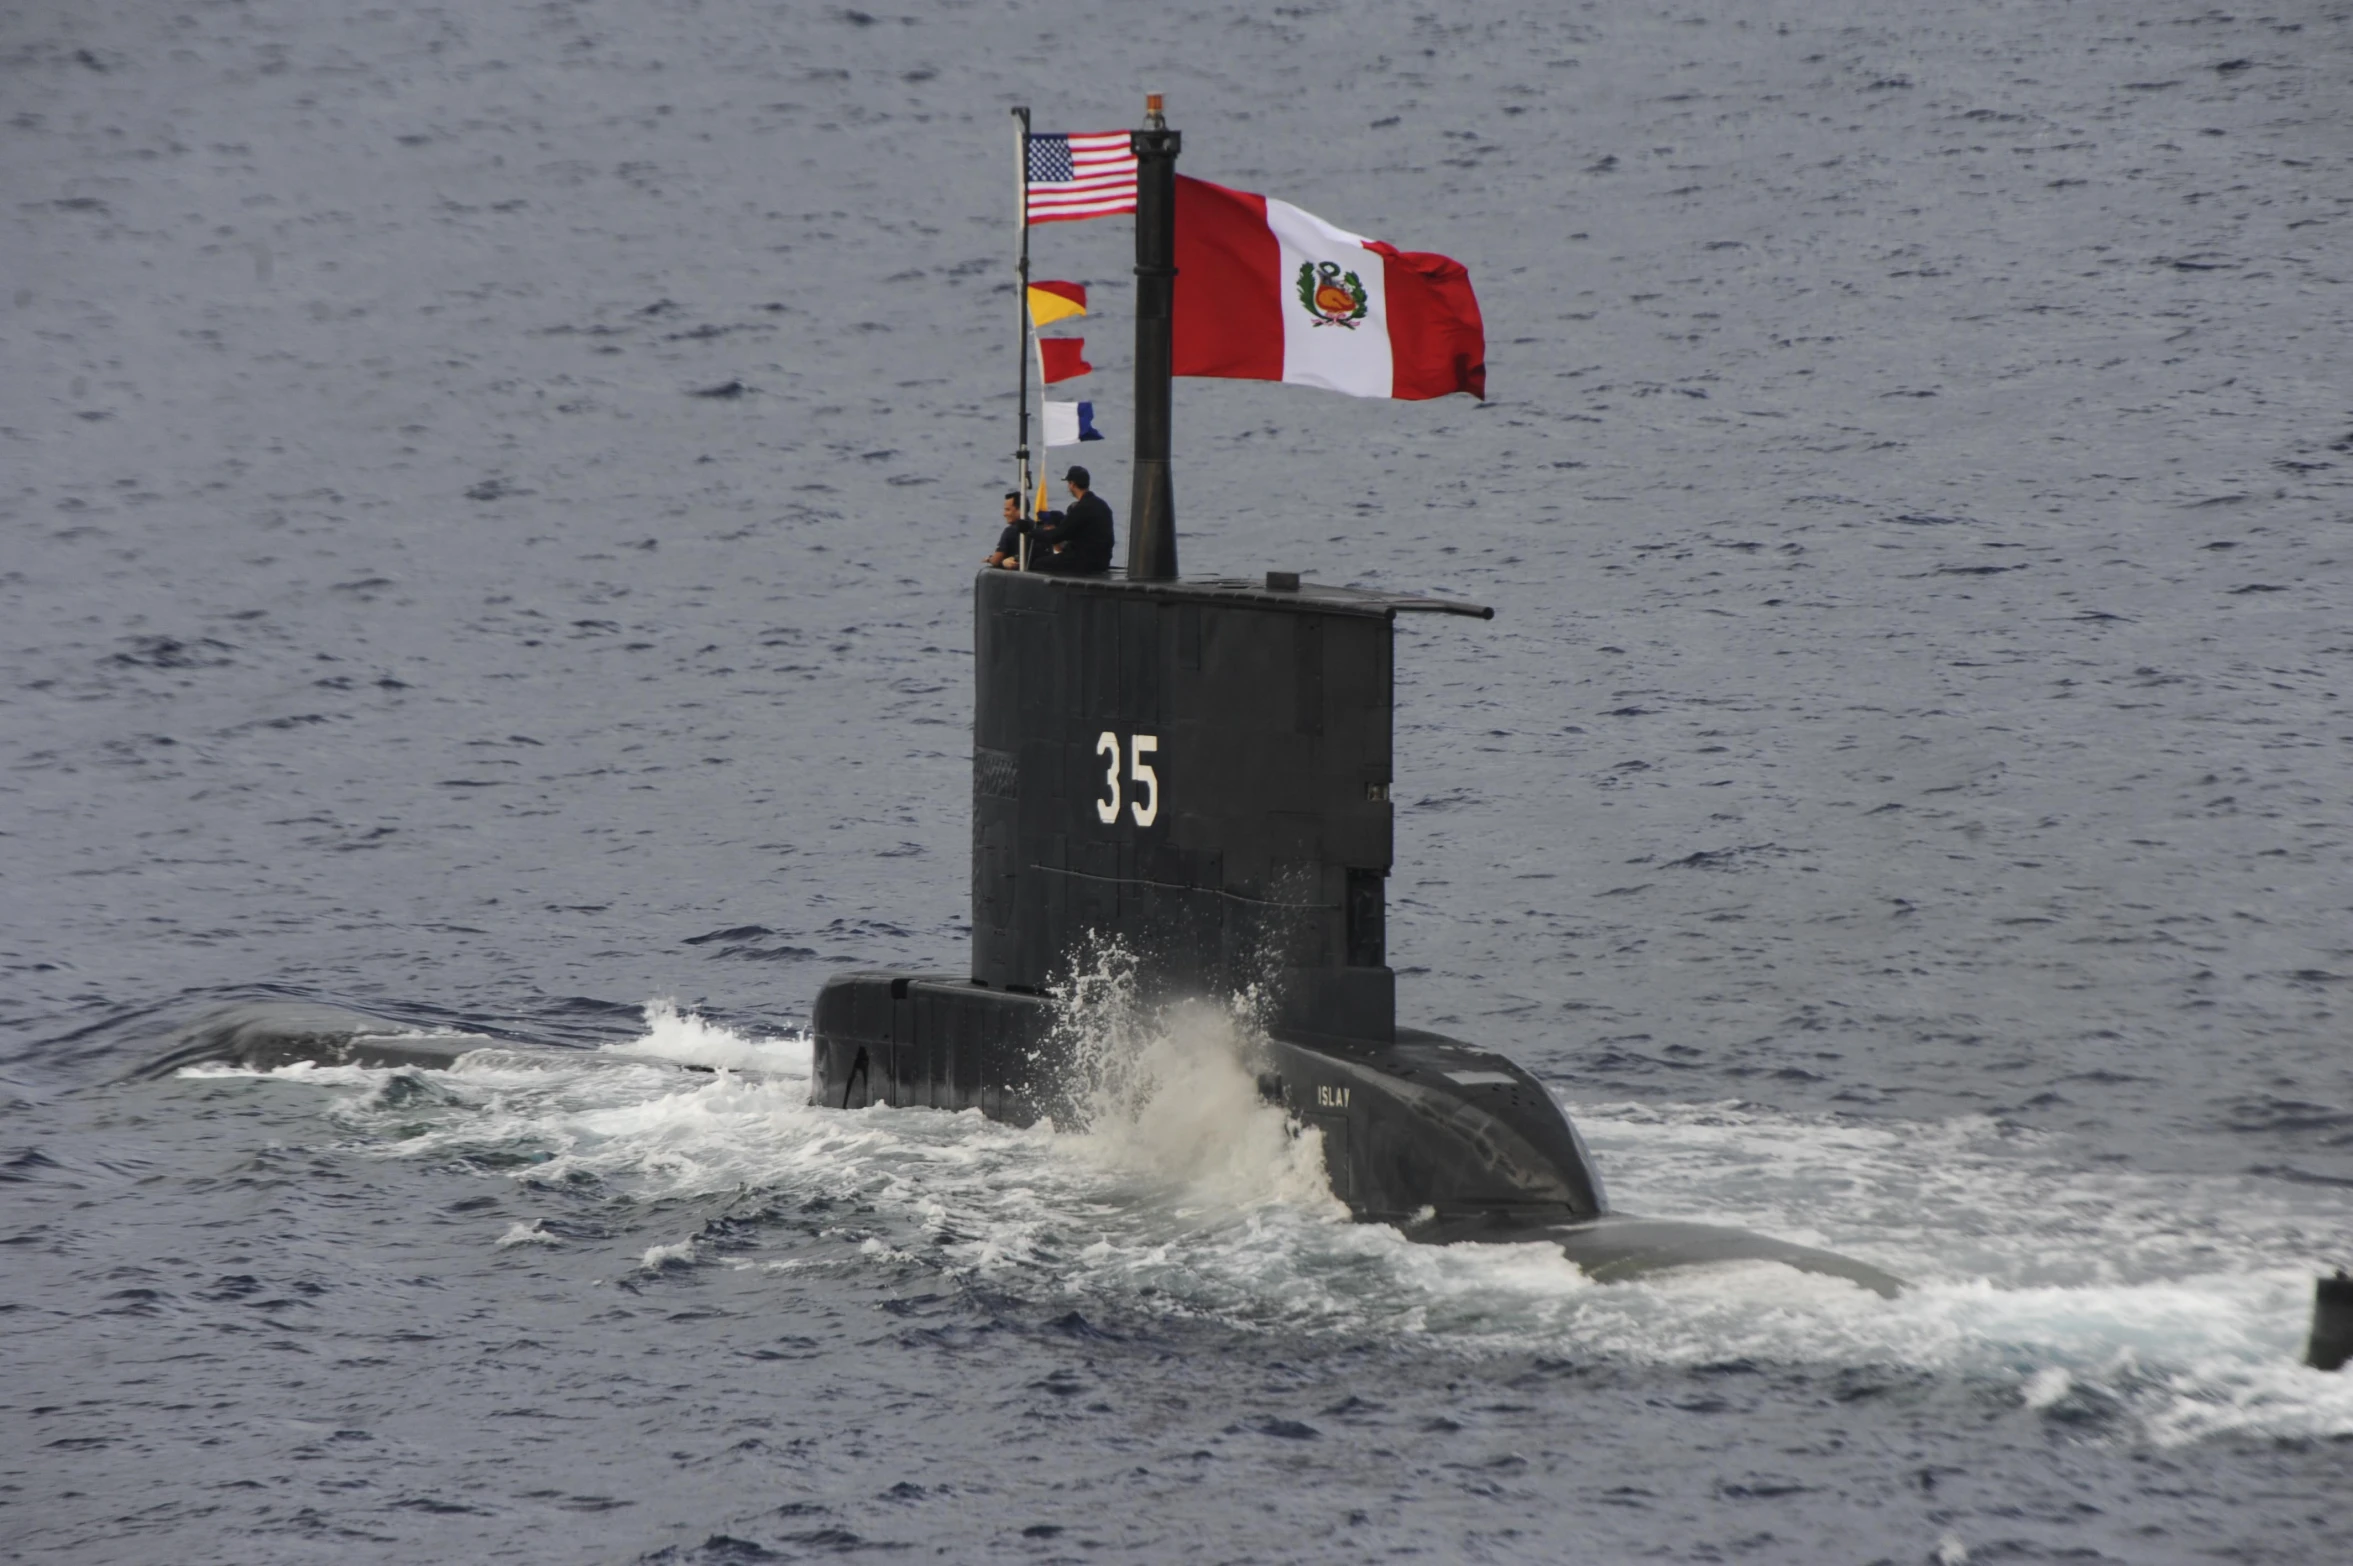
487, 499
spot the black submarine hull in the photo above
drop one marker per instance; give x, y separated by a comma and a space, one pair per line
1418, 1130
1447, 1142
270, 1035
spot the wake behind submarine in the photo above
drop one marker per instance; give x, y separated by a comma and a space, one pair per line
1197, 773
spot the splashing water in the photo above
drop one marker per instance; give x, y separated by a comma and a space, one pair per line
2170, 1306
1168, 1094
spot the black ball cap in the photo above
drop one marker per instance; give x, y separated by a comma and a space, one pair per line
1079, 477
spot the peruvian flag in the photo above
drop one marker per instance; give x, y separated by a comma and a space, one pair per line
1266, 292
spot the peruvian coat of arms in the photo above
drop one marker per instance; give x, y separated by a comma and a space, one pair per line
1333, 297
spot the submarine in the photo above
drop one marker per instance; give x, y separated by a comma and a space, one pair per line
1194, 772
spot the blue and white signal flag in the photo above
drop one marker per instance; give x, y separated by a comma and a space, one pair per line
1068, 423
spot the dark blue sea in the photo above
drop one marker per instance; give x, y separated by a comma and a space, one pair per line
488, 501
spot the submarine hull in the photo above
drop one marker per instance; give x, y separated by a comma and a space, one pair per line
1417, 1129
269, 1035
1448, 1142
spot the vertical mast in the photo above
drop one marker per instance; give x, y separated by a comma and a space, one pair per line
1021, 353
1151, 539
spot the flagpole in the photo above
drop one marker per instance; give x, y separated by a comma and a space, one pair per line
1151, 523
1021, 304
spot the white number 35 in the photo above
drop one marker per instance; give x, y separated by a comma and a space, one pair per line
1147, 809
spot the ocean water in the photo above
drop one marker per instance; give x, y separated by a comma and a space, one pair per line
487, 502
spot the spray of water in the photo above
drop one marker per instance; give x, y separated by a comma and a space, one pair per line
1167, 1092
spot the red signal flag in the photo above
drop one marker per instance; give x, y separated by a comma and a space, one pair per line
1062, 358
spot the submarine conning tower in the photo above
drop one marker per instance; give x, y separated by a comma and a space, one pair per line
1198, 771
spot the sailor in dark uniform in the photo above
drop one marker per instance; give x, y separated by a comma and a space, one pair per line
1007, 554
1076, 542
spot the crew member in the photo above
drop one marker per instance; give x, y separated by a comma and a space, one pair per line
1007, 554
1076, 542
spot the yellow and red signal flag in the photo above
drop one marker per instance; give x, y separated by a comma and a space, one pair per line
1050, 302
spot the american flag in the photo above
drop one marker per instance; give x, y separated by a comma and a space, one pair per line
1085, 175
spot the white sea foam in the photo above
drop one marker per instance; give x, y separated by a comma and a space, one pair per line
687, 1039
1173, 1190
2045, 1387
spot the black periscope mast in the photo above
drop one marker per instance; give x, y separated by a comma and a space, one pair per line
1197, 773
